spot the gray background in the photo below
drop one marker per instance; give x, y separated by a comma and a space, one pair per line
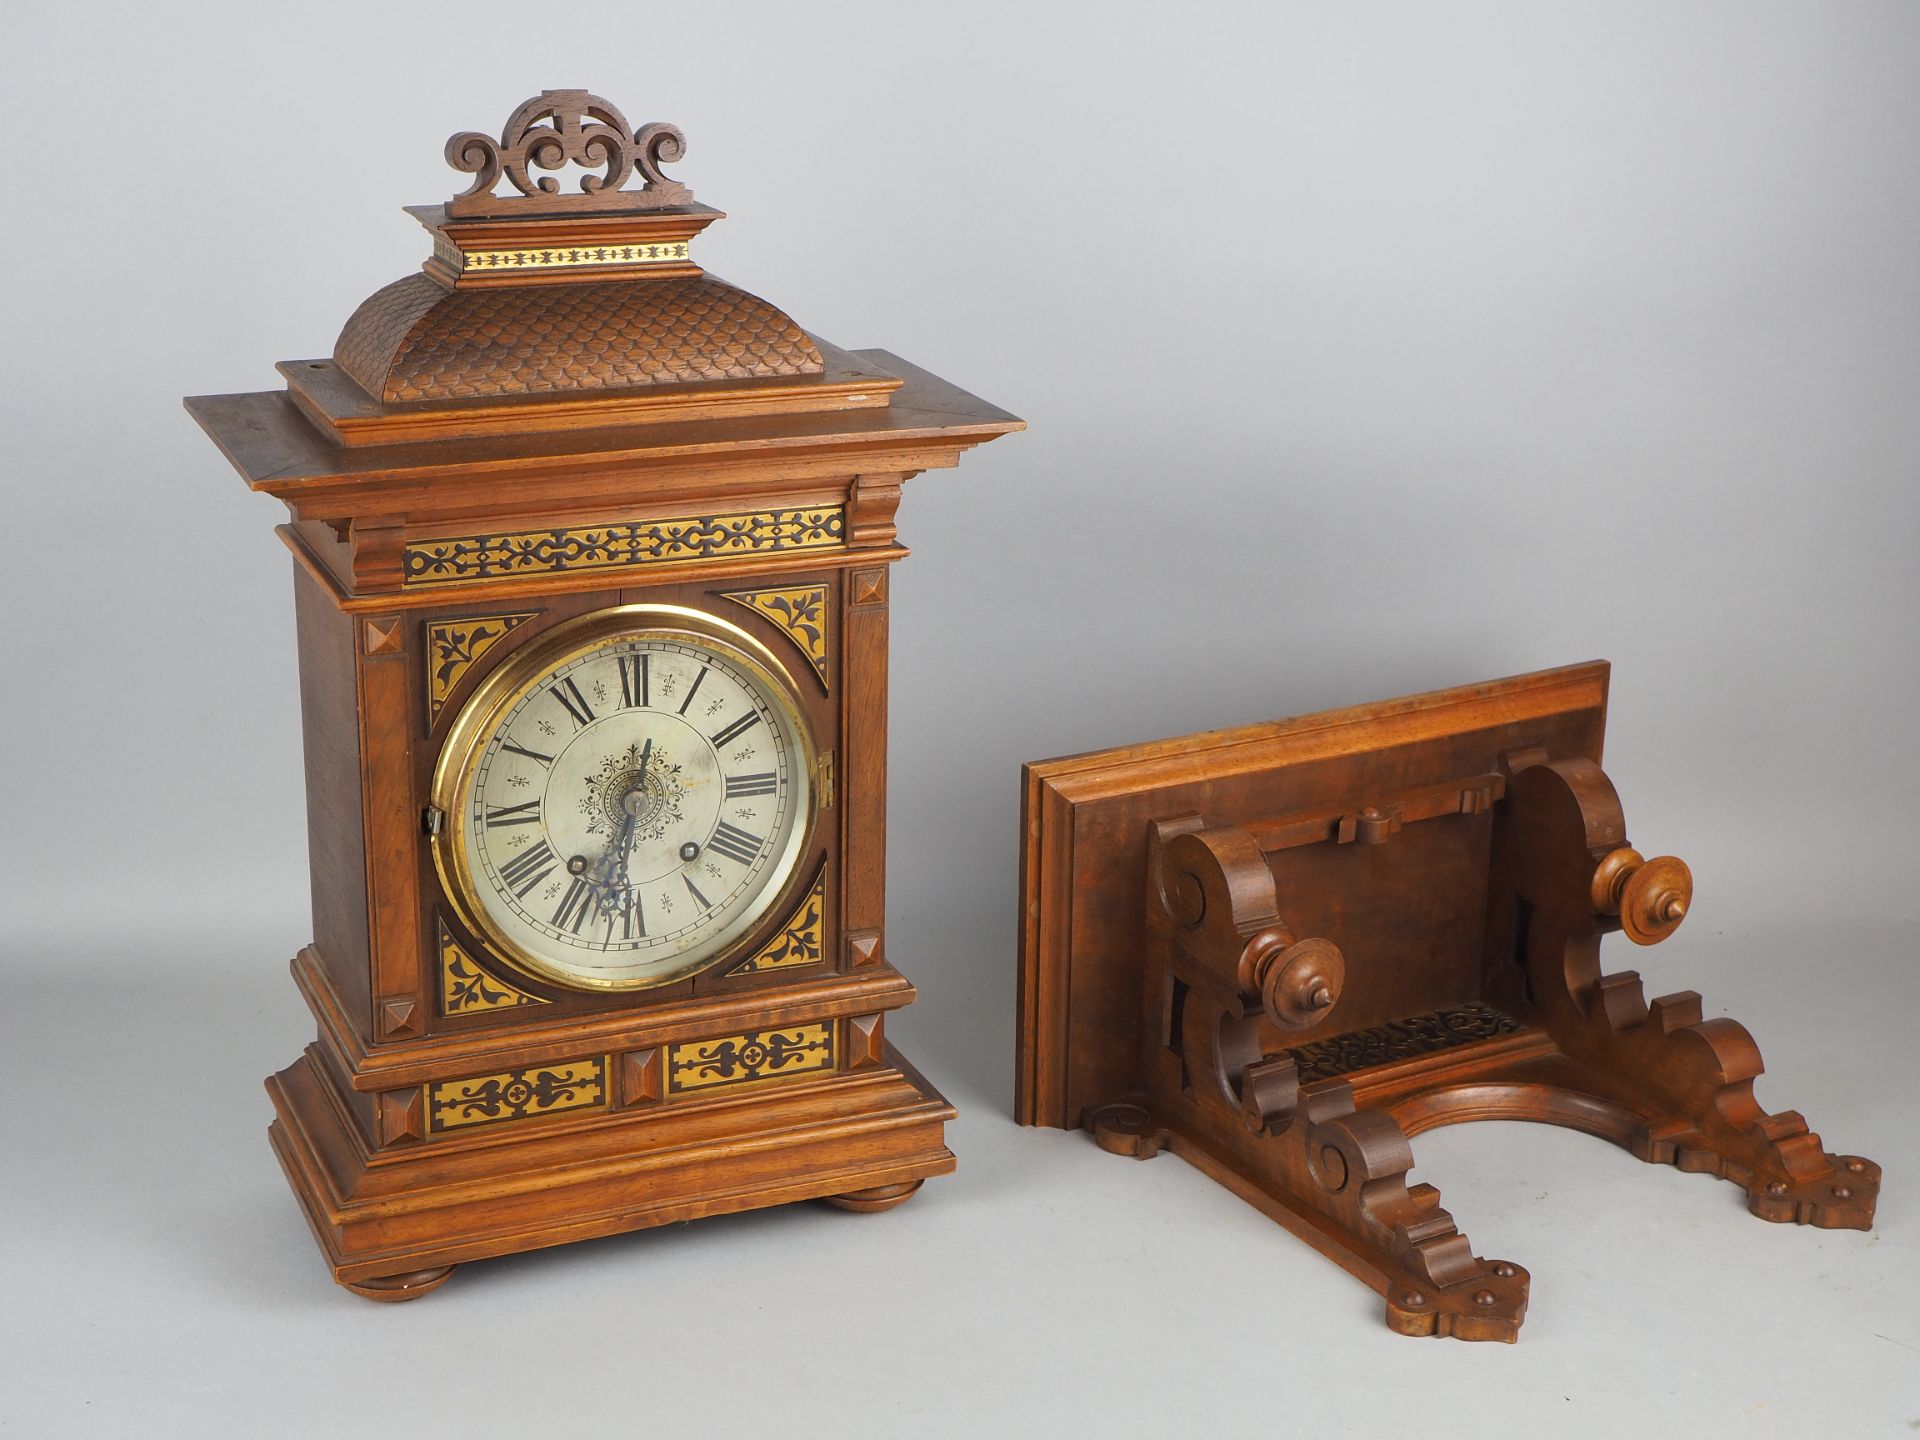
1368, 348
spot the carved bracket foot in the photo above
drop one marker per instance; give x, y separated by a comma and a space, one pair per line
1491, 1308
1802, 1184
1843, 1199
1336, 1177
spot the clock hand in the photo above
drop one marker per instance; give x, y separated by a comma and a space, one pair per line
620, 852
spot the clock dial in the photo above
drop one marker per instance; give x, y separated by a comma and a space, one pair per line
625, 800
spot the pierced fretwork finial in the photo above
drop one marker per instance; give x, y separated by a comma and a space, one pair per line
548, 131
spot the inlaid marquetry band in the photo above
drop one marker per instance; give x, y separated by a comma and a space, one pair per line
530, 1093
693, 1066
577, 257
628, 545
700, 1065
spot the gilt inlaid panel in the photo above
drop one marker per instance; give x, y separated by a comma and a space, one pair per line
524, 1094
466, 989
801, 613
631, 544
756, 1055
800, 941
455, 646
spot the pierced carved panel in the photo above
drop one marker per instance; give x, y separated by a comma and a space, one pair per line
627, 545
455, 646
1399, 1040
800, 941
756, 1055
465, 988
801, 613
524, 1094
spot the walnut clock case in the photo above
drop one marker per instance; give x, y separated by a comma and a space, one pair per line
591, 560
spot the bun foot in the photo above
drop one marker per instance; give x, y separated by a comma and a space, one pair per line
1127, 1127
392, 1289
880, 1197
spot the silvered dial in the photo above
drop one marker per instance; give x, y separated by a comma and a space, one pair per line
629, 808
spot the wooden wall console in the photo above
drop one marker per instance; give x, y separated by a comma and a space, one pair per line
1282, 951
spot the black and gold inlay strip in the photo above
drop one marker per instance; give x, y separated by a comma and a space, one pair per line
755, 1055
622, 546
516, 1094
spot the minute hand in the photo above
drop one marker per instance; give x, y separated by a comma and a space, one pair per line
628, 831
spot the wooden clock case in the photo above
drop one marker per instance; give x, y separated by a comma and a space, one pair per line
563, 413
1282, 951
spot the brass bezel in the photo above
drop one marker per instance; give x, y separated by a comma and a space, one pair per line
521, 673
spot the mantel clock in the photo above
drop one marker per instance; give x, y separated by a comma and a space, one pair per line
591, 563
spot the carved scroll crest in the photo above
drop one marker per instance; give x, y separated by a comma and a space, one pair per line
552, 129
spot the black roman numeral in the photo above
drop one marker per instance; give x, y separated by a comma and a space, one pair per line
523, 872
735, 843
694, 890
576, 906
739, 785
691, 688
633, 680
575, 704
633, 919
522, 750
736, 729
527, 814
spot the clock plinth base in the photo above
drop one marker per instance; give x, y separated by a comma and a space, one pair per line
880, 1197
385, 1217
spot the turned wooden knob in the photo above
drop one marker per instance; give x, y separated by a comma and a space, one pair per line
1650, 896
1610, 878
1298, 981
1655, 900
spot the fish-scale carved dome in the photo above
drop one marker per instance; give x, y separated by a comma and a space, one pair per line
419, 342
